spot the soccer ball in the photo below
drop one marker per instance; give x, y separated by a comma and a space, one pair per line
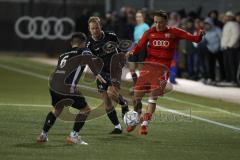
131, 118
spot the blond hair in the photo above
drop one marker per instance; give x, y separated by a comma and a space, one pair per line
94, 19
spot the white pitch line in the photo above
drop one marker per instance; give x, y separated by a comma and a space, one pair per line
202, 106
145, 103
159, 107
25, 105
24, 72
198, 118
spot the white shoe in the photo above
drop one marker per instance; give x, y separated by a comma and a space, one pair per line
75, 140
43, 137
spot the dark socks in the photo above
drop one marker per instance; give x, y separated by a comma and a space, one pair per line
79, 122
121, 100
134, 78
112, 115
49, 121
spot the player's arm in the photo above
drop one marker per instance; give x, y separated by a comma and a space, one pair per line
95, 64
140, 45
188, 36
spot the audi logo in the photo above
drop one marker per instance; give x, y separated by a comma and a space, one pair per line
160, 43
44, 28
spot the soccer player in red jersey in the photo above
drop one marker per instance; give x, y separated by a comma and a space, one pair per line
161, 42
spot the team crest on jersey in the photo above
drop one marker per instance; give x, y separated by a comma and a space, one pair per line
153, 35
167, 35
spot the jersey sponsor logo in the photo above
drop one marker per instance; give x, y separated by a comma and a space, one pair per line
44, 27
161, 43
110, 47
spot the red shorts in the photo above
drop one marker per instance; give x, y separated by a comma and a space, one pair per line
153, 77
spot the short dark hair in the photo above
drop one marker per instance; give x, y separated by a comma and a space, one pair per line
79, 36
161, 13
190, 20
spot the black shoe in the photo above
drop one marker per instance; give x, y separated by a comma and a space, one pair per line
116, 131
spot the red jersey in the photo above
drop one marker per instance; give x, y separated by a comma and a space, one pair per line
162, 44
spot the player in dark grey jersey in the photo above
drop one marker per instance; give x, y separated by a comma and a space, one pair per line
103, 45
63, 87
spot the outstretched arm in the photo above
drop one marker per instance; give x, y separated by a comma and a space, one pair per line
188, 36
140, 45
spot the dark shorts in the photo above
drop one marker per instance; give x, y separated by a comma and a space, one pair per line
102, 87
76, 101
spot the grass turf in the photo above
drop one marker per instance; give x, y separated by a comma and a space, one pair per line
169, 138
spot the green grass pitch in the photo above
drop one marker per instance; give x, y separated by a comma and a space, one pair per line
25, 101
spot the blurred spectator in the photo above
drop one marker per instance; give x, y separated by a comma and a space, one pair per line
141, 26
109, 22
139, 30
82, 22
215, 17
174, 21
238, 17
191, 52
230, 44
201, 68
125, 23
238, 71
213, 42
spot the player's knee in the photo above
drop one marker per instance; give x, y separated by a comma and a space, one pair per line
152, 100
109, 108
86, 110
113, 92
57, 111
168, 88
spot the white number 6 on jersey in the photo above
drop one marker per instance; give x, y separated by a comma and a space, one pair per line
63, 62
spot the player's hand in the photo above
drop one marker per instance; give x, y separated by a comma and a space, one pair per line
130, 53
202, 33
100, 78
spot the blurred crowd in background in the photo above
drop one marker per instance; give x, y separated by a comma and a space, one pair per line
214, 61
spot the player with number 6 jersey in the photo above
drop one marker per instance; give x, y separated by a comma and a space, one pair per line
64, 91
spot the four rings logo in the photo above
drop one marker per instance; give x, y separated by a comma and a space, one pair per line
40, 27
160, 43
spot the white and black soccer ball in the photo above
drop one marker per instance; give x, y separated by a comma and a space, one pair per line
131, 118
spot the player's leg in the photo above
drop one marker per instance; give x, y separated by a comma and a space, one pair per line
110, 110
113, 93
49, 122
79, 121
137, 103
51, 116
150, 110
132, 67
111, 113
